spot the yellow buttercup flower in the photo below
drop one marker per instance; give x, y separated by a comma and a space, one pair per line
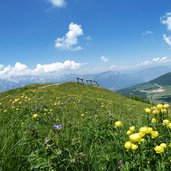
163, 111
35, 116
169, 125
159, 106
166, 106
155, 111
135, 137
166, 122
153, 120
143, 130
154, 134
159, 149
129, 132
150, 129
147, 110
118, 124
132, 128
163, 145
128, 145
142, 134
134, 147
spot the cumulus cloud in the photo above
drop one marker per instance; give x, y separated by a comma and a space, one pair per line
58, 3
56, 67
166, 19
70, 40
147, 33
19, 69
167, 39
104, 59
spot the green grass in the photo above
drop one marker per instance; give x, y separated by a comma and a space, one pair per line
88, 139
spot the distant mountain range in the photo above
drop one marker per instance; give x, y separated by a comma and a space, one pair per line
157, 90
113, 80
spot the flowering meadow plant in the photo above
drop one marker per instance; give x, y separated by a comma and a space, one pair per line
149, 147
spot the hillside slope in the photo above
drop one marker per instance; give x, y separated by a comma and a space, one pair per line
47, 126
156, 91
163, 79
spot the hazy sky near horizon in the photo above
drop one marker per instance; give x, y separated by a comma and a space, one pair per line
42, 35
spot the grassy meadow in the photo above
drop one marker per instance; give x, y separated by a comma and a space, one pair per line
75, 127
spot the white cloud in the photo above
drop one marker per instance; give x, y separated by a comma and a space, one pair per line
56, 67
166, 19
58, 3
156, 60
147, 33
167, 39
6, 72
88, 38
70, 40
104, 59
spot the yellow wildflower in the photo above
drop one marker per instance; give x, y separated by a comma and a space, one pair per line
129, 132
155, 111
169, 125
132, 128
35, 116
147, 110
150, 129
154, 134
118, 124
128, 145
144, 130
163, 145
153, 120
159, 149
159, 106
135, 137
166, 106
166, 122
141, 134
134, 147
163, 111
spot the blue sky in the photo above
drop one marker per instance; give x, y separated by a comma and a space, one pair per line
96, 35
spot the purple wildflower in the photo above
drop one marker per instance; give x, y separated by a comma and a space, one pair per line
58, 127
